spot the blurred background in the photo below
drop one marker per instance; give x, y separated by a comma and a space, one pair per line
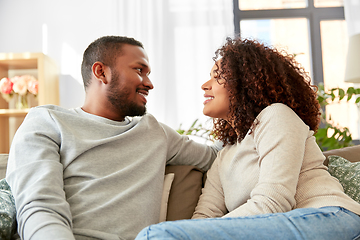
181, 37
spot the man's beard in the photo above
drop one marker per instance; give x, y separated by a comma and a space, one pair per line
119, 99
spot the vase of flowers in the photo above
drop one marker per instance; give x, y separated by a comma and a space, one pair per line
19, 87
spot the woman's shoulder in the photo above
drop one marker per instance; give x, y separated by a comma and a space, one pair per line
279, 110
277, 107
279, 115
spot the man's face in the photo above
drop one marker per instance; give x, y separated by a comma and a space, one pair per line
130, 83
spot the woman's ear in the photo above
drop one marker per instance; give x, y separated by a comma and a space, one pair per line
98, 69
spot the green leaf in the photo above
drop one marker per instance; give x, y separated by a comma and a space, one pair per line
194, 123
180, 131
350, 90
321, 100
332, 96
341, 93
322, 132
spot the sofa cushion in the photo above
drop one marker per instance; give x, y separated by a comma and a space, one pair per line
185, 191
348, 174
169, 178
7, 211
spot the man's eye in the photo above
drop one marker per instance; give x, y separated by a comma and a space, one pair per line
139, 69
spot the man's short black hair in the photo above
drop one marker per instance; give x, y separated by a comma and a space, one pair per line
105, 50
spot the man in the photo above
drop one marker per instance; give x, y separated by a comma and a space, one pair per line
94, 172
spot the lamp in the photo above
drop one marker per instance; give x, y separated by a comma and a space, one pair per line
352, 70
352, 17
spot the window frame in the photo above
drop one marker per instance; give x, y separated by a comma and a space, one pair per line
311, 13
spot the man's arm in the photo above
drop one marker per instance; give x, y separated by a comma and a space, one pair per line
183, 151
35, 175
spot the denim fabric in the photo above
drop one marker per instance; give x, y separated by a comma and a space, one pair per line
306, 223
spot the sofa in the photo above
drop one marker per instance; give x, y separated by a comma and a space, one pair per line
188, 182
183, 184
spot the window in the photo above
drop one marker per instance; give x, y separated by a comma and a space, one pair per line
292, 24
315, 31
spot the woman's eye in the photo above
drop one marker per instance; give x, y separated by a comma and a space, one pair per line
220, 81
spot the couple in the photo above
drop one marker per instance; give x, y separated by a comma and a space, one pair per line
95, 173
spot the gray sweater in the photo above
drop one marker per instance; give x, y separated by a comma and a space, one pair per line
75, 175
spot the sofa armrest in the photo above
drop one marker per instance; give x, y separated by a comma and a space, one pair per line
3, 165
350, 153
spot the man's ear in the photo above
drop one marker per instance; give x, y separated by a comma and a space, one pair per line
98, 69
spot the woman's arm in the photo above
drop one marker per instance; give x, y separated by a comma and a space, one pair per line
211, 202
280, 140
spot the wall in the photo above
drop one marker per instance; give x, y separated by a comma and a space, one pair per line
169, 30
61, 29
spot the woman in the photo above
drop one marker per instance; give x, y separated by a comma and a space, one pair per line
269, 181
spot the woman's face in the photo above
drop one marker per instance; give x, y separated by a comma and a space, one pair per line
217, 103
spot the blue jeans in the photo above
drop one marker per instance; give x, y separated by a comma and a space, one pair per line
303, 223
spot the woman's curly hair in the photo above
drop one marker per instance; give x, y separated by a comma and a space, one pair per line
257, 76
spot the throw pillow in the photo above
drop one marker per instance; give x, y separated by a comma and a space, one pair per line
165, 196
7, 211
185, 191
348, 174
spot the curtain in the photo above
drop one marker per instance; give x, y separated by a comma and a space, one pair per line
180, 38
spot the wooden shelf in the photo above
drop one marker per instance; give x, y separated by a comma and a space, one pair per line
41, 67
14, 112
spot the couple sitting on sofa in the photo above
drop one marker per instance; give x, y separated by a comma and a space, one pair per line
94, 172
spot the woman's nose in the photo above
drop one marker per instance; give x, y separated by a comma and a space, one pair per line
206, 85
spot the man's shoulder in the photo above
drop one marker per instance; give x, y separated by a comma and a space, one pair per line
150, 121
50, 108
147, 117
50, 112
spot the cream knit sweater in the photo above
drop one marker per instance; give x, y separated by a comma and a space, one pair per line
276, 168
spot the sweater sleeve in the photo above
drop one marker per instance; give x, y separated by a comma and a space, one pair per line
280, 138
35, 176
184, 151
211, 202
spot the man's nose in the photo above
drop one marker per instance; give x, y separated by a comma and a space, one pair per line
147, 83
